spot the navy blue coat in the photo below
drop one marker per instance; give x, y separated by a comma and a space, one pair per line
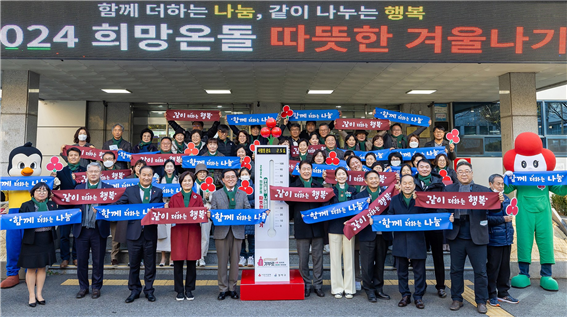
367, 235
132, 196
66, 177
336, 226
103, 225
407, 244
302, 229
500, 233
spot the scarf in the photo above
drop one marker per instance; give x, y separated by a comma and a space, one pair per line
425, 179
162, 152
169, 180
147, 194
373, 195
306, 184
186, 197
144, 146
116, 142
342, 192
73, 167
40, 206
302, 157
351, 148
231, 195
399, 141
362, 145
407, 200
329, 149
463, 189
217, 152
180, 146
376, 148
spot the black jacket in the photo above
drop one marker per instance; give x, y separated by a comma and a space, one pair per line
151, 148
209, 134
478, 218
303, 230
450, 172
66, 177
336, 225
451, 155
125, 146
29, 234
132, 196
367, 234
103, 225
389, 140
435, 186
407, 244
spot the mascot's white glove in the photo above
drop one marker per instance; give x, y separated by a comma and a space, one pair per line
509, 173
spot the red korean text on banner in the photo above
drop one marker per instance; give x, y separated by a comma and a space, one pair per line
81, 177
156, 159
362, 220
192, 115
456, 200
158, 216
362, 124
310, 150
87, 196
357, 178
301, 194
89, 153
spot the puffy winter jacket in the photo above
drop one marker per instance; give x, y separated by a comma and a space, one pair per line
500, 233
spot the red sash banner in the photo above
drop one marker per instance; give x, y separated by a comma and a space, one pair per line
87, 196
156, 159
362, 124
192, 115
357, 178
301, 194
158, 216
361, 221
456, 200
89, 153
104, 175
310, 150
292, 165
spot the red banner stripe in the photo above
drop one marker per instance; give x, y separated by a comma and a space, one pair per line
89, 153
158, 216
457, 200
81, 177
357, 178
362, 124
192, 115
301, 194
156, 159
87, 196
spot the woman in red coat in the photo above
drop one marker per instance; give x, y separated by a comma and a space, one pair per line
185, 239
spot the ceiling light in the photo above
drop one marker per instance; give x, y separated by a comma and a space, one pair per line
339, 107
218, 91
319, 92
421, 91
219, 106
117, 91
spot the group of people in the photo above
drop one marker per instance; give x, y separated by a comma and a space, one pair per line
363, 257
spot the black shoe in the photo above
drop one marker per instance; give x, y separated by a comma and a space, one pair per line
441, 293
82, 293
41, 302
406, 300
151, 297
233, 295
319, 292
32, 304
180, 297
222, 296
372, 297
419, 304
189, 295
381, 295
307, 292
132, 297
96, 293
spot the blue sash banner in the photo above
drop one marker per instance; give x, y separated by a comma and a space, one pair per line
429, 152
412, 222
238, 217
40, 219
319, 168
250, 119
124, 212
548, 178
24, 182
124, 156
407, 118
330, 212
314, 115
122, 183
397, 169
381, 155
212, 162
168, 189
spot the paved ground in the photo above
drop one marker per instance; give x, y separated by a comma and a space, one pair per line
60, 293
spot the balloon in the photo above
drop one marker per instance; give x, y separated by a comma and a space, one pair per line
276, 132
265, 132
271, 122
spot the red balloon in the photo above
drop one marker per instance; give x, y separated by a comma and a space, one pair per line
271, 122
276, 132
265, 132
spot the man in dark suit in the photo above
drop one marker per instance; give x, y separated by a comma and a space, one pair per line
66, 179
90, 234
141, 240
373, 246
228, 239
469, 237
439, 140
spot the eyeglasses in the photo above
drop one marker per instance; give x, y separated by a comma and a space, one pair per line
42, 190
230, 177
464, 172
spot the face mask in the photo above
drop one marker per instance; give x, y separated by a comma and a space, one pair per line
108, 164
396, 163
82, 137
245, 178
495, 190
413, 145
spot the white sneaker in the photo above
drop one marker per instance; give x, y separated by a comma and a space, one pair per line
202, 263
326, 248
251, 261
358, 286
338, 296
349, 296
242, 261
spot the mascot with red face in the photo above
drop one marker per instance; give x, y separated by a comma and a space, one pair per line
535, 216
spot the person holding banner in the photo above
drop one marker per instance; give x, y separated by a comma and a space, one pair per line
324, 130
441, 162
185, 239
141, 241
350, 143
243, 139
228, 239
409, 246
195, 125
118, 143
212, 150
308, 235
395, 159
179, 145
224, 144
81, 138
319, 157
439, 140
396, 139
425, 181
303, 148
164, 230
255, 135
310, 127
247, 258
136, 168
339, 244
413, 141
38, 244
201, 173
145, 145
90, 235
416, 158
197, 139
109, 161
331, 146
378, 142
373, 245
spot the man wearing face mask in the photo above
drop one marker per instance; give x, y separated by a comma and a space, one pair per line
109, 161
